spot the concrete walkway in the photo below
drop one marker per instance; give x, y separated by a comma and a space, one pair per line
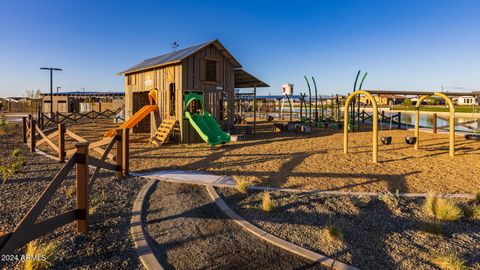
191, 177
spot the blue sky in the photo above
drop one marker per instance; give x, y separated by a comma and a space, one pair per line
403, 44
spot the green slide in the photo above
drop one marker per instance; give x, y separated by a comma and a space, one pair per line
205, 124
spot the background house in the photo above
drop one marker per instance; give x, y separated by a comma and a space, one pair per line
67, 102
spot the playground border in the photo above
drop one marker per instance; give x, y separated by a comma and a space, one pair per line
137, 229
360, 193
290, 247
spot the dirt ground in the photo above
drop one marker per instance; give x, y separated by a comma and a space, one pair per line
316, 161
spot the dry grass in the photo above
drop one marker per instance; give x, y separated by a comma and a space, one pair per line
97, 200
16, 152
40, 256
70, 191
267, 202
431, 226
471, 210
390, 199
442, 209
334, 232
6, 172
449, 262
242, 187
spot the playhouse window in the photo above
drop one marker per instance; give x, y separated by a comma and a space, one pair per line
210, 70
131, 80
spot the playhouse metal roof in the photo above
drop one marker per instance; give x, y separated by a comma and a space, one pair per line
177, 56
244, 79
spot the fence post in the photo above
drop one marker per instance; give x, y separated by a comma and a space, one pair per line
363, 116
32, 135
82, 186
383, 116
24, 129
125, 151
434, 123
61, 143
118, 157
399, 120
39, 121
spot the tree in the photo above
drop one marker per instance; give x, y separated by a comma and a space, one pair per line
407, 102
432, 101
33, 98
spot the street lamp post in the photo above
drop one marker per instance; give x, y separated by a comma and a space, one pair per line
51, 85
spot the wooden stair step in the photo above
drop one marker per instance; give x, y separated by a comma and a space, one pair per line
164, 131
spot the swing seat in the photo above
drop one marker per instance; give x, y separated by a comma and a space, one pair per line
411, 140
386, 140
473, 137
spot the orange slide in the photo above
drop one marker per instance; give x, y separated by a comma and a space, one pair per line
132, 121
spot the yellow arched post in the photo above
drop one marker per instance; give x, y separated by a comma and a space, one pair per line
417, 120
375, 123
451, 121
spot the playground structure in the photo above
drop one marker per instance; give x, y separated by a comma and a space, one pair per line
207, 70
423, 95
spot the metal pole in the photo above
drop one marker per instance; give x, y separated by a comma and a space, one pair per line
254, 109
51, 92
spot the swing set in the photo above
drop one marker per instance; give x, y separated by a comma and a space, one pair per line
412, 140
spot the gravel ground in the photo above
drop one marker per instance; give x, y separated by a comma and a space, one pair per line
374, 236
107, 245
190, 232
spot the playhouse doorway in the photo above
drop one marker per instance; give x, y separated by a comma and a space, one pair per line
140, 99
172, 100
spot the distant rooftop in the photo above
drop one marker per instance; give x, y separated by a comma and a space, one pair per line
87, 93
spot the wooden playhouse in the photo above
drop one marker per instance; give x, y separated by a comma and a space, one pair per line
207, 69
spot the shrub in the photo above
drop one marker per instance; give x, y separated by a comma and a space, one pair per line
40, 256
431, 226
442, 209
390, 199
449, 262
16, 152
70, 191
334, 232
407, 102
5, 173
477, 197
471, 210
242, 187
22, 161
267, 203
96, 201
16, 166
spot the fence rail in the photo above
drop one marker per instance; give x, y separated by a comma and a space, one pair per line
49, 119
394, 118
29, 228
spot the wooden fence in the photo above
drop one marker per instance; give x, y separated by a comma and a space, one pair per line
29, 228
394, 118
47, 119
